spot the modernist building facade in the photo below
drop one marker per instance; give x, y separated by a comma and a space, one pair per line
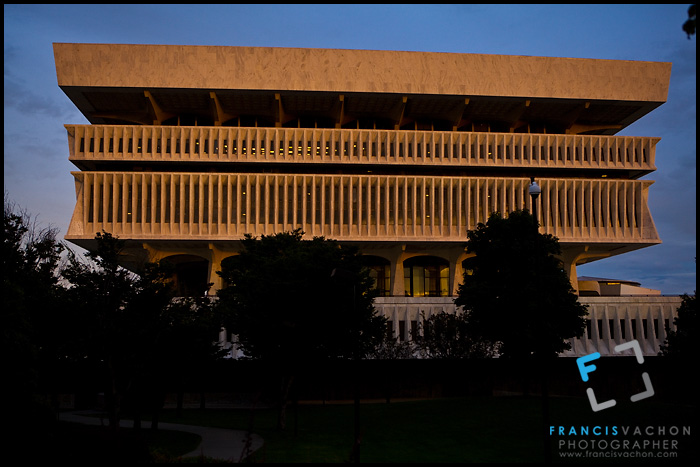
188, 148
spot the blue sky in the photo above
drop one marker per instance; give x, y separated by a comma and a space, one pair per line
36, 168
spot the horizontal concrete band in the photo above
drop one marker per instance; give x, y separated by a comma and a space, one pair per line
340, 146
370, 71
351, 207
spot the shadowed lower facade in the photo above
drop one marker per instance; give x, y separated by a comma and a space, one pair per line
188, 148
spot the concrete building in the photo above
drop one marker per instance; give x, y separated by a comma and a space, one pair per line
191, 147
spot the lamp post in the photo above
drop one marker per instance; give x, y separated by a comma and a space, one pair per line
348, 277
534, 191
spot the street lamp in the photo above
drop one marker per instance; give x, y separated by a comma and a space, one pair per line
534, 191
348, 277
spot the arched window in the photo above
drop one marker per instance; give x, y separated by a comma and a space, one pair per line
380, 271
426, 276
230, 263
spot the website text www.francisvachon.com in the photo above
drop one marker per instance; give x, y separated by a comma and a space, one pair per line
619, 442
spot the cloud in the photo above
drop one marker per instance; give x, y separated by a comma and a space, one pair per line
22, 99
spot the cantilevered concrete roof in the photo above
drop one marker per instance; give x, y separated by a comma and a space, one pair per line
149, 83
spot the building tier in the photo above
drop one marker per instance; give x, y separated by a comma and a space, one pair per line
189, 148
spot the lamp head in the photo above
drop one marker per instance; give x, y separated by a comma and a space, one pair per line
534, 189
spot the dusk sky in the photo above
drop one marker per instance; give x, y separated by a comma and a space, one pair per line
37, 171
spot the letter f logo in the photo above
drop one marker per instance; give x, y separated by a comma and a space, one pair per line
583, 369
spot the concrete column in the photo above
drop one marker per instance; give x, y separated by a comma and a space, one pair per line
456, 269
570, 268
397, 257
215, 265
570, 258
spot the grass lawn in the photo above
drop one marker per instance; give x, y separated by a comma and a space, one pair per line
473, 429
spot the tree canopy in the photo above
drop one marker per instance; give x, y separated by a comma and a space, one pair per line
295, 302
515, 291
284, 305
450, 336
28, 336
31, 261
115, 316
129, 326
682, 342
689, 25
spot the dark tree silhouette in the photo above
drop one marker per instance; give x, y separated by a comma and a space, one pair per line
182, 355
30, 338
689, 25
116, 317
681, 342
515, 291
130, 331
286, 308
449, 336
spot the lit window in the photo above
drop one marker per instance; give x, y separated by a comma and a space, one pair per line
426, 276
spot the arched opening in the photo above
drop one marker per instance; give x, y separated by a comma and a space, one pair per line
426, 276
380, 271
191, 275
229, 263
